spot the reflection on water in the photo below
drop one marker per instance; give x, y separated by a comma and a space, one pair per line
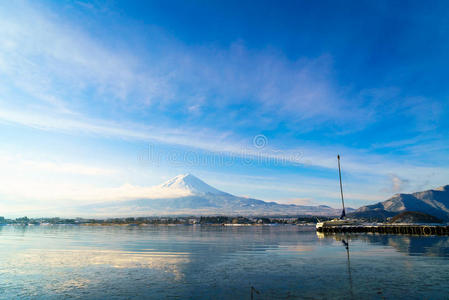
346, 244
201, 262
49, 259
408, 244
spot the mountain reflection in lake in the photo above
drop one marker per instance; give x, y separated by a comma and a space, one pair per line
210, 262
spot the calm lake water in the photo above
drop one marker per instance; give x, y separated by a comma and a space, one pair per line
208, 262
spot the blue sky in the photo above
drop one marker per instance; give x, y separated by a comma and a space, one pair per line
255, 98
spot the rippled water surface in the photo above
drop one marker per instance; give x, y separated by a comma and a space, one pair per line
213, 262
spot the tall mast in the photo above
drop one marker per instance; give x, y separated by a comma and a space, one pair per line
343, 213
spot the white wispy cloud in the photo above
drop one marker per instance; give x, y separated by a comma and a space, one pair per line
57, 62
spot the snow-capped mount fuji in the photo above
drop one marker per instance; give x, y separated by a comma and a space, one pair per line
191, 185
188, 195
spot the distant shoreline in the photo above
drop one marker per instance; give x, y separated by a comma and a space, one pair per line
161, 225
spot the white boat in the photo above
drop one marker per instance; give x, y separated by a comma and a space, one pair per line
337, 222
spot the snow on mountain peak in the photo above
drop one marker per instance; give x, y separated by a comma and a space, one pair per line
190, 183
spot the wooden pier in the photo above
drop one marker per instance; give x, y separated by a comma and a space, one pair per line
389, 229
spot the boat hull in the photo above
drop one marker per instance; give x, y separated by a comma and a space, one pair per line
336, 222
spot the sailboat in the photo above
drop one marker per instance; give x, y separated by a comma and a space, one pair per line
343, 220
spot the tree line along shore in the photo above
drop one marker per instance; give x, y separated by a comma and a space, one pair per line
182, 220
